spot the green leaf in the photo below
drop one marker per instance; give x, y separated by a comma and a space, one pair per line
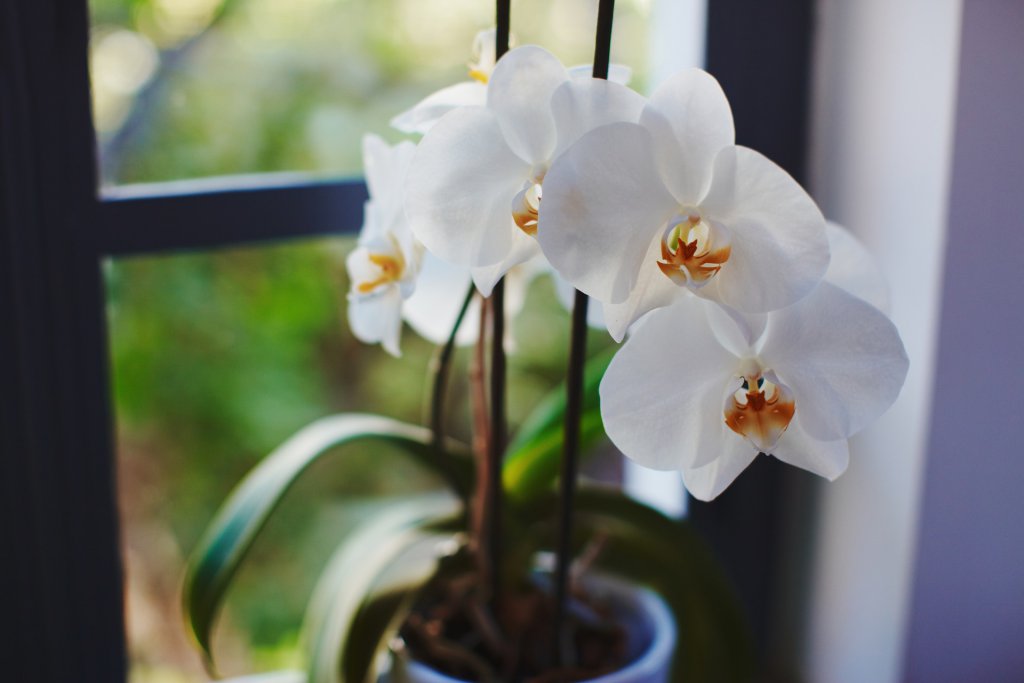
641, 544
368, 584
229, 537
532, 464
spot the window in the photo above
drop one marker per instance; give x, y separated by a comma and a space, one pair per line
57, 231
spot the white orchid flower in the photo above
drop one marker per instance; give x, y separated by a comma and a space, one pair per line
637, 215
473, 92
702, 389
853, 268
388, 268
475, 184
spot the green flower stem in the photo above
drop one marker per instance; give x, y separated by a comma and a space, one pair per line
574, 400
441, 368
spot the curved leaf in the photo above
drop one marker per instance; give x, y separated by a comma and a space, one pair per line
230, 535
351, 612
534, 455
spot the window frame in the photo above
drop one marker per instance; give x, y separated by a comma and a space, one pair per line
58, 471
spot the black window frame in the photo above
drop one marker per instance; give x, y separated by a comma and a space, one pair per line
62, 559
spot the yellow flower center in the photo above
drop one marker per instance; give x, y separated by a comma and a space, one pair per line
390, 270
526, 206
692, 251
478, 75
760, 411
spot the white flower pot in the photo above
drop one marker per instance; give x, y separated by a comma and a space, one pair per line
650, 628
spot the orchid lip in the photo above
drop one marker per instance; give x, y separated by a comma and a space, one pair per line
526, 204
390, 270
760, 410
693, 250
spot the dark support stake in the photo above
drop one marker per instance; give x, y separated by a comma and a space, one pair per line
574, 400
570, 466
496, 447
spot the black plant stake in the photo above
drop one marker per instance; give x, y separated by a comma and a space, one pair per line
496, 447
574, 399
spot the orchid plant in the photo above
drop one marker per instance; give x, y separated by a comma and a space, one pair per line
752, 328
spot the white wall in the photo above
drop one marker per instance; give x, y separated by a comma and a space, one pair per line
882, 115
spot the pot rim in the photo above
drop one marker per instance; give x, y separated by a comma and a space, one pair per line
648, 606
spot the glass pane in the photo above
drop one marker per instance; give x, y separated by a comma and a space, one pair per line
191, 88
217, 358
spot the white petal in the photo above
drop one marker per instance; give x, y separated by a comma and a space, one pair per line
779, 246
707, 482
617, 73
373, 229
603, 204
798, 448
581, 105
377, 318
385, 167
428, 111
519, 92
652, 290
460, 186
738, 332
854, 269
523, 249
484, 49
440, 290
661, 397
690, 120
842, 358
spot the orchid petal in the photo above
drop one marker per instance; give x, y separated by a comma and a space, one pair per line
519, 92
854, 269
827, 459
522, 250
738, 332
459, 189
432, 308
603, 204
428, 111
385, 167
707, 483
690, 120
485, 49
779, 247
661, 397
377, 318
580, 105
652, 290
842, 358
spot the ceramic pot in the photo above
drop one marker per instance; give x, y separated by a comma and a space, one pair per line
650, 628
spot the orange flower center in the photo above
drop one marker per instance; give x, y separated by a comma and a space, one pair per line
692, 251
760, 411
526, 207
389, 268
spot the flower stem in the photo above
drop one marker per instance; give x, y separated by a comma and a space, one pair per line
570, 467
574, 400
496, 446
442, 369
492, 494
